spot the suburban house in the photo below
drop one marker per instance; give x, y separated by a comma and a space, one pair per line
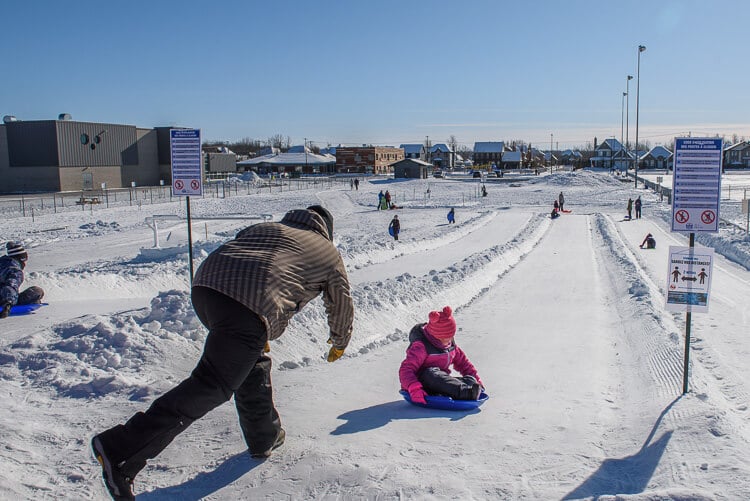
411, 168
417, 151
511, 159
611, 154
488, 152
658, 157
571, 157
367, 159
737, 155
442, 156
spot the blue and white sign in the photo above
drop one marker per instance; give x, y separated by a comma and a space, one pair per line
187, 172
696, 184
689, 278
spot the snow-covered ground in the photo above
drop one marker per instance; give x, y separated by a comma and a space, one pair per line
564, 320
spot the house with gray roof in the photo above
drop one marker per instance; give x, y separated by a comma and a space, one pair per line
417, 151
658, 157
442, 156
488, 152
737, 155
611, 154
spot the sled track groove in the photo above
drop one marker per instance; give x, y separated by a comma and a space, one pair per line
664, 360
458, 285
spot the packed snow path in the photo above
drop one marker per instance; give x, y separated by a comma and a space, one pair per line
564, 319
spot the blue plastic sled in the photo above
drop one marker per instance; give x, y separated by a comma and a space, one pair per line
390, 231
447, 403
25, 309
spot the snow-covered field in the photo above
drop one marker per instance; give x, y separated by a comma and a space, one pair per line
564, 320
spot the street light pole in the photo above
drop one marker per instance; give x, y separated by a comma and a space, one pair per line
641, 48
550, 152
622, 117
627, 118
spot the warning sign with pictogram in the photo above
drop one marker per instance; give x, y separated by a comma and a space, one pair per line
187, 173
696, 184
689, 278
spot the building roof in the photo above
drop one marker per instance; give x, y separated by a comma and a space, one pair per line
441, 147
412, 148
512, 156
412, 161
291, 159
489, 147
739, 146
611, 143
659, 151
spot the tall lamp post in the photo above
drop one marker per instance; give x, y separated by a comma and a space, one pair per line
550, 152
622, 121
641, 48
627, 118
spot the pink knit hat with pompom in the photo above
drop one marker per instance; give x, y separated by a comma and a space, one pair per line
441, 325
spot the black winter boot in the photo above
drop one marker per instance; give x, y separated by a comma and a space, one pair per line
276, 444
119, 485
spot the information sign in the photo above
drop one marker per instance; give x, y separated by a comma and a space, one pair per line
696, 184
187, 174
689, 278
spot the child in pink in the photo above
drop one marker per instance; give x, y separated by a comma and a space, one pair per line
429, 357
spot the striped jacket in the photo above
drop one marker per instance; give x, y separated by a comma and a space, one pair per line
275, 269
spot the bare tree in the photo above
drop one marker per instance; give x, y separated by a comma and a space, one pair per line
452, 142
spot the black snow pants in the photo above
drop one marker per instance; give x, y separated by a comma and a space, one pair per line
32, 295
232, 363
436, 382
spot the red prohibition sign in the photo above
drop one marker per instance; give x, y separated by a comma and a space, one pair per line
178, 184
682, 216
194, 184
708, 216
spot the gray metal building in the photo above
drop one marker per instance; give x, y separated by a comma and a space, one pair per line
66, 155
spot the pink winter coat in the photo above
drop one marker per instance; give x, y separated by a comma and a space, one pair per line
426, 351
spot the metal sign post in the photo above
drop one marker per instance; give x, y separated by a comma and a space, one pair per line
187, 174
696, 192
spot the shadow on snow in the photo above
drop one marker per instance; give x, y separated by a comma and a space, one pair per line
380, 415
206, 483
628, 475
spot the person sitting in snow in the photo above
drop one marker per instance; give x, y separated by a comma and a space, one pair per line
432, 351
649, 242
11, 278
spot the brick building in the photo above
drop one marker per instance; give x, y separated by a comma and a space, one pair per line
367, 159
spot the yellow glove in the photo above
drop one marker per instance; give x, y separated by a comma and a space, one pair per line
266, 348
334, 354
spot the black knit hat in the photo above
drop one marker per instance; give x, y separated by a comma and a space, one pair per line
327, 217
16, 250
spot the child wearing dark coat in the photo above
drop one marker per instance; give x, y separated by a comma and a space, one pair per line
432, 351
11, 277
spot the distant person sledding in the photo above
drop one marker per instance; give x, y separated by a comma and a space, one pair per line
452, 216
11, 278
649, 242
430, 357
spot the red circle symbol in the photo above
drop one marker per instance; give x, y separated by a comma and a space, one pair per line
682, 216
194, 184
178, 185
708, 216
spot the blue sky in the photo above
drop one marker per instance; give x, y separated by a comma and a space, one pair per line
383, 72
